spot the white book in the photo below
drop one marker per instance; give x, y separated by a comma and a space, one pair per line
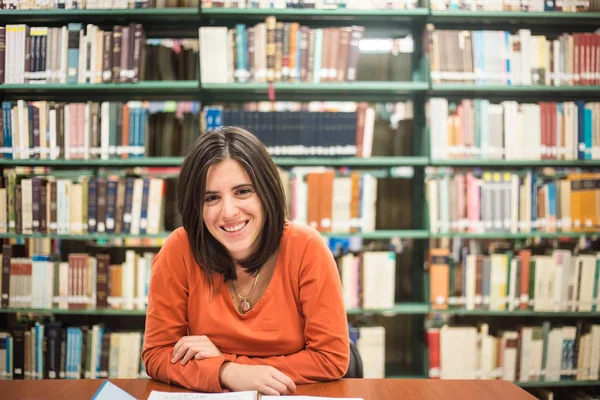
458, 352
562, 265
587, 270
341, 200
136, 206
128, 280
438, 126
62, 73
27, 206
155, 205
104, 130
140, 295
379, 282
371, 345
23, 112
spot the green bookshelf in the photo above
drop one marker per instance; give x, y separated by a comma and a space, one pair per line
371, 162
520, 17
352, 161
338, 16
381, 234
515, 163
508, 235
106, 311
384, 234
139, 15
142, 90
86, 236
451, 89
350, 91
398, 309
184, 22
403, 308
564, 383
518, 313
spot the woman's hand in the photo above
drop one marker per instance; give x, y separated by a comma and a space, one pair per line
265, 379
198, 347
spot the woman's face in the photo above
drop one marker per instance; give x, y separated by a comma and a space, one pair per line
232, 212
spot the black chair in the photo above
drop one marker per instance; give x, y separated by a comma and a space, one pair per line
355, 367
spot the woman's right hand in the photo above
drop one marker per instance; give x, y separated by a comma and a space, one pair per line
263, 378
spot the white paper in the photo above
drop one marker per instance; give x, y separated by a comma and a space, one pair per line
155, 395
308, 398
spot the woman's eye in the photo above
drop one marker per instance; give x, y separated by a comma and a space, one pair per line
244, 192
210, 199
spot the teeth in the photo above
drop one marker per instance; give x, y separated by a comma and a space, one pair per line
235, 228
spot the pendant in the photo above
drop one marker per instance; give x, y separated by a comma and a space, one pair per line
244, 306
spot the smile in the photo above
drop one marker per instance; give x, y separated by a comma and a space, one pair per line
235, 228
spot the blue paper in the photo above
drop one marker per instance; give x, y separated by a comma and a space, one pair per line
110, 391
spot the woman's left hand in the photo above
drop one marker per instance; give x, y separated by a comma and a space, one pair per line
198, 347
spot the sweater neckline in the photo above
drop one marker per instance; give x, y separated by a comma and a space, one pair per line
271, 288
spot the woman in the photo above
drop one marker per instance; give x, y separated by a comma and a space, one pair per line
241, 299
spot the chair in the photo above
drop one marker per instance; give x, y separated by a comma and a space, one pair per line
355, 367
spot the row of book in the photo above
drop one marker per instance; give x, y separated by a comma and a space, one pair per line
93, 4
49, 350
368, 279
288, 52
526, 354
48, 130
502, 201
331, 129
517, 5
279, 51
477, 129
71, 54
82, 282
501, 58
538, 279
54, 130
318, 4
47, 204
341, 204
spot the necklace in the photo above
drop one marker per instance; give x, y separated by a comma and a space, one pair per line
245, 305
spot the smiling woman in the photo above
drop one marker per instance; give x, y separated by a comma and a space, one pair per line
240, 298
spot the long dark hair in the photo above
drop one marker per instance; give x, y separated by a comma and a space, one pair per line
229, 143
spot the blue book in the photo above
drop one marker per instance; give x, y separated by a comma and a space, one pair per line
533, 200
241, 60
587, 133
144, 212
73, 52
580, 129
552, 202
7, 129
318, 55
92, 204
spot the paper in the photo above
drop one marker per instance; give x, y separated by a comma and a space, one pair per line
156, 395
110, 391
309, 398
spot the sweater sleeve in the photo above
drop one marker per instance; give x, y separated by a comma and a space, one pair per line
326, 354
167, 322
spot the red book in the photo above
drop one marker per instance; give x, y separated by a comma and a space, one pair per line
433, 342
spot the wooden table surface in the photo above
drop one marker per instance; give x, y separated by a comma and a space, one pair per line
368, 389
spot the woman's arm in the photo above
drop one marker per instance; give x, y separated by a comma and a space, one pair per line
327, 353
167, 322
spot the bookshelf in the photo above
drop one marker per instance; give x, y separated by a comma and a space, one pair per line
419, 90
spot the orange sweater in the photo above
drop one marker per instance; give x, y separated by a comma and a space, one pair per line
298, 326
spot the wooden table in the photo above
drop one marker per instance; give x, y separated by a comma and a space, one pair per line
368, 389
